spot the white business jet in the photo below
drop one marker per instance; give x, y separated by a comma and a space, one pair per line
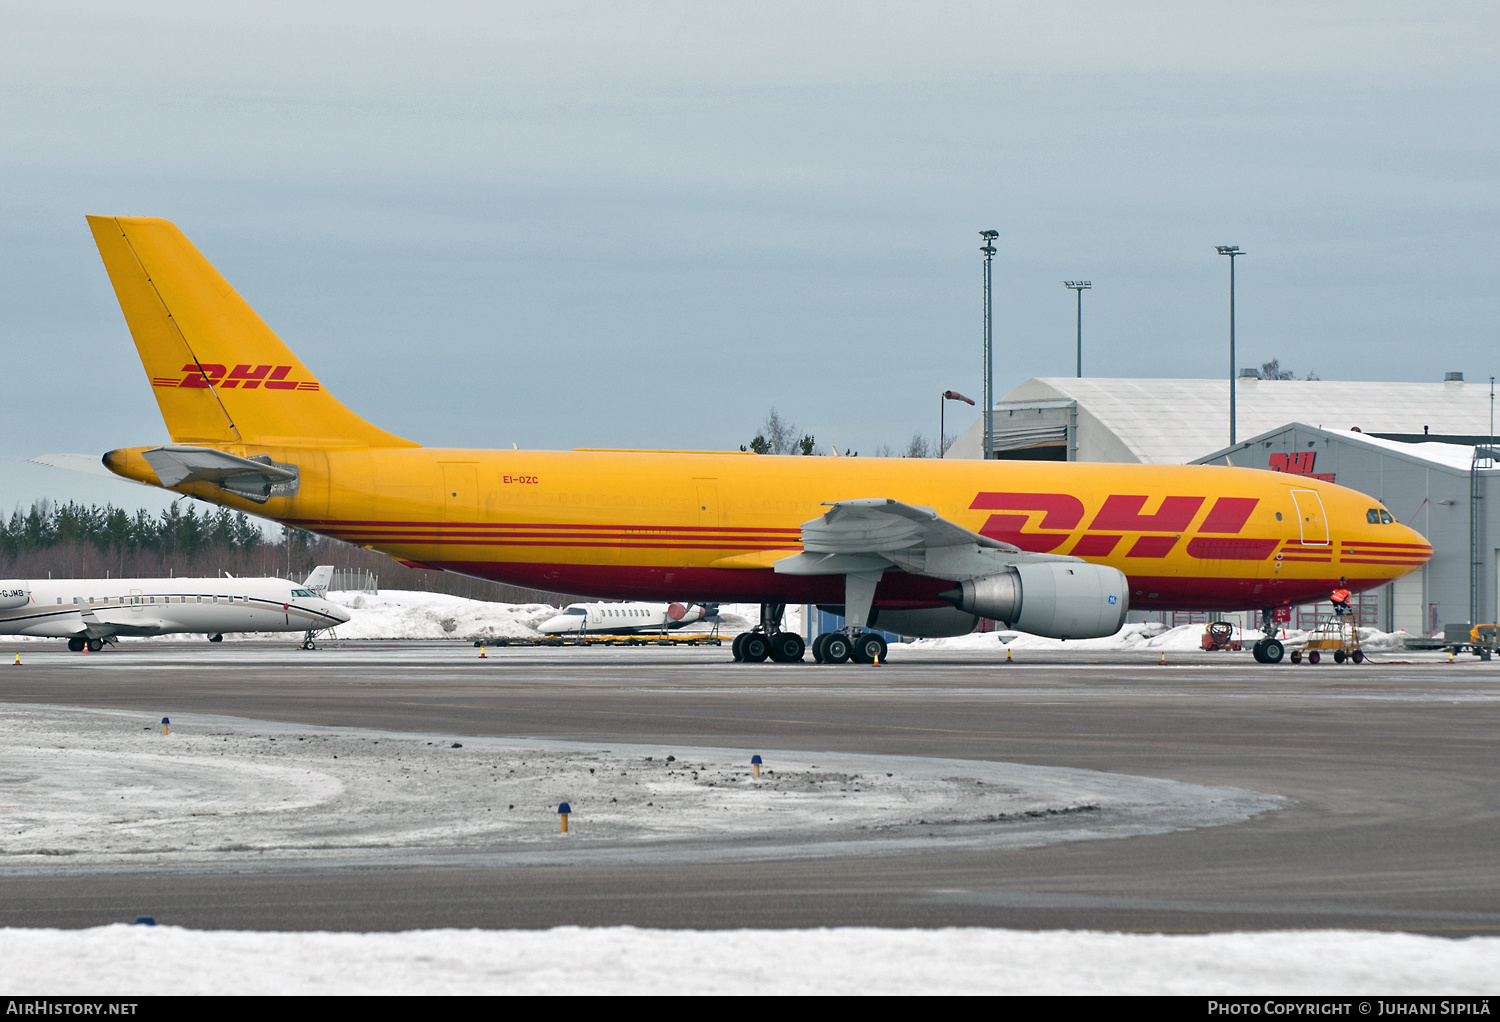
89, 612
624, 618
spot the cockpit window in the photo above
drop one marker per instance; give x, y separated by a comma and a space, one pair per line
303, 592
1378, 516
1385, 517
576, 611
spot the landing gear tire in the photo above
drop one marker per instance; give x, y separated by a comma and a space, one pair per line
755, 648
738, 647
1271, 651
218, 637
75, 644
817, 647
1258, 651
867, 648
95, 645
787, 648
836, 648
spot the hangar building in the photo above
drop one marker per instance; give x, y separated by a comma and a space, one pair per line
1173, 422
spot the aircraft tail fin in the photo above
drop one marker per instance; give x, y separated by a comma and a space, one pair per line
219, 373
318, 579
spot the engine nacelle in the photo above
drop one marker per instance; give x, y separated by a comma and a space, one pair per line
13, 596
925, 622
1058, 599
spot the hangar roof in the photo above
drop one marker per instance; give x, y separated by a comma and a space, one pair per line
1459, 457
1168, 421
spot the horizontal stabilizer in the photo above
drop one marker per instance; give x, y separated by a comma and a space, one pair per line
257, 479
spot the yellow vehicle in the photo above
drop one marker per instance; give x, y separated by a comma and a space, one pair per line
923, 547
1336, 636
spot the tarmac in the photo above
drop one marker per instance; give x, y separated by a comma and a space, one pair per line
1388, 770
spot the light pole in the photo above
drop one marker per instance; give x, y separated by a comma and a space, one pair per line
1080, 286
948, 395
1231, 251
988, 248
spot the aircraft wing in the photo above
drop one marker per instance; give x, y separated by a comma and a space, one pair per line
253, 478
873, 534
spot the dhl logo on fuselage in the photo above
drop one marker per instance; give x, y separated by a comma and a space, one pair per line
1120, 515
210, 374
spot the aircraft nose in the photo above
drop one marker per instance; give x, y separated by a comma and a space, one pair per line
338, 613
1412, 536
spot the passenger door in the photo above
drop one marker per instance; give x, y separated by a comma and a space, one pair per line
1310, 517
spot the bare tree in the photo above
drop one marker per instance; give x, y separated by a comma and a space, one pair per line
918, 447
884, 451
779, 436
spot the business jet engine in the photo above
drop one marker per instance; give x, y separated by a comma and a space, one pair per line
1058, 599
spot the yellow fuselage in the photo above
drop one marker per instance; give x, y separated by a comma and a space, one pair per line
661, 525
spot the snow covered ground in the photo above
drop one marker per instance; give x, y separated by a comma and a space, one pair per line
104, 789
129, 960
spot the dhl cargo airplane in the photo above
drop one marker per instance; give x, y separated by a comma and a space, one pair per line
923, 547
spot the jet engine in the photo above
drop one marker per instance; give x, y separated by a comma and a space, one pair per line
1058, 599
12, 596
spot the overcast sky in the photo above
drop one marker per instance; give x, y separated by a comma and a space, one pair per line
615, 224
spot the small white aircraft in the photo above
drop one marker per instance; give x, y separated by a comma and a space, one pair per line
624, 618
89, 612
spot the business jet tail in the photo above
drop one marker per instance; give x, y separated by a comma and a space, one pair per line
220, 375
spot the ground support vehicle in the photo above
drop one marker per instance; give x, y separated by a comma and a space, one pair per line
1220, 635
1338, 635
1481, 640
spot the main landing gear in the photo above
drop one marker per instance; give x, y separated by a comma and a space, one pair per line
766, 641
1269, 649
78, 644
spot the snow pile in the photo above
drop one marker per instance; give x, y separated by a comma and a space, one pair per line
107, 788
1148, 635
411, 614
139, 960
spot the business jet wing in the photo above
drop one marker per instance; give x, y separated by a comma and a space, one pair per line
253, 478
873, 534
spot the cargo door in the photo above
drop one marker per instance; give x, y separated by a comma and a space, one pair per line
1310, 517
460, 491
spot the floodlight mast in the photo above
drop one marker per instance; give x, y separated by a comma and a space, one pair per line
1080, 286
1231, 251
988, 248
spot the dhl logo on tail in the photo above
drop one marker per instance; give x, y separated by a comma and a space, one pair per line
208, 375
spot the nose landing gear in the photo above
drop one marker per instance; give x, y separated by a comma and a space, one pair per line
1268, 650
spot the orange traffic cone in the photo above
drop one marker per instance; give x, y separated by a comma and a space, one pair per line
1164, 658
18, 658
481, 654
1007, 656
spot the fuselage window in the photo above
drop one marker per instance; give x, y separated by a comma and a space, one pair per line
198, 599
